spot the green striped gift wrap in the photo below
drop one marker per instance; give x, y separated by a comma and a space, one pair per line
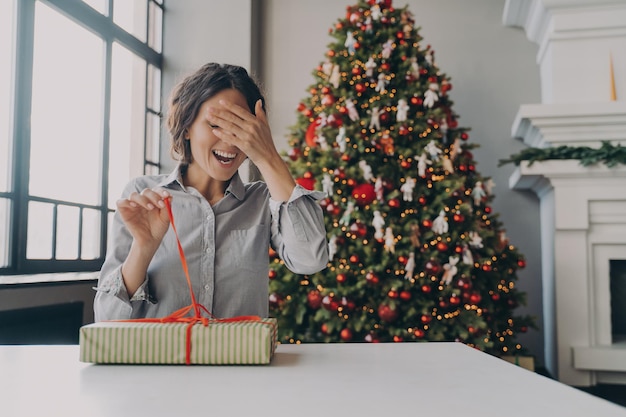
219, 343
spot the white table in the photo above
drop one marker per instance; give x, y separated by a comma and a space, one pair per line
351, 380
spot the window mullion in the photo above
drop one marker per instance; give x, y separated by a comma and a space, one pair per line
25, 34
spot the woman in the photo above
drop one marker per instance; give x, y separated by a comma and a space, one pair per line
216, 120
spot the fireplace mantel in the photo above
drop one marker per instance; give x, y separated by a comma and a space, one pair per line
582, 66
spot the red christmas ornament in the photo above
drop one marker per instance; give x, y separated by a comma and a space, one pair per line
427, 224
486, 267
384, 117
341, 278
392, 294
371, 338
403, 131
314, 299
464, 136
458, 249
521, 263
402, 259
385, 66
387, 314
350, 182
422, 200
359, 88
294, 154
416, 101
311, 134
495, 296
442, 247
394, 203
345, 157
324, 328
330, 53
354, 259
487, 210
426, 318
275, 299
272, 274
432, 267
359, 229
426, 289
419, 333
371, 278
364, 194
308, 183
405, 164
405, 295
397, 339
475, 298
346, 335
356, 70
458, 217
455, 300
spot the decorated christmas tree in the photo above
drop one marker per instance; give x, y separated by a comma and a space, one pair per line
416, 252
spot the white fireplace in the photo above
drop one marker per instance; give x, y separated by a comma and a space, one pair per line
582, 209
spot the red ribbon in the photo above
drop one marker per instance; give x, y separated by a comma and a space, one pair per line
180, 315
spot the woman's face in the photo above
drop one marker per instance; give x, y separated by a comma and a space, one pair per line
214, 157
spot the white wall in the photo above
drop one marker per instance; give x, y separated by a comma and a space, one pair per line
492, 68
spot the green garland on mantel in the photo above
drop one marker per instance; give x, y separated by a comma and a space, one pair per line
610, 155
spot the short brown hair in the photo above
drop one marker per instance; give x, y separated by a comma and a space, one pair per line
187, 97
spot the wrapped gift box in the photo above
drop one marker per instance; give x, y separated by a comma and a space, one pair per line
219, 343
526, 362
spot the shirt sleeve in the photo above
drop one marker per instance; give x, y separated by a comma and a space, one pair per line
298, 231
112, 301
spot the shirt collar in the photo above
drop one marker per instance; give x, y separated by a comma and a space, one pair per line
236, 186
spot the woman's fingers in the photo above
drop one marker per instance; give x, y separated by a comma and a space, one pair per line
149, 198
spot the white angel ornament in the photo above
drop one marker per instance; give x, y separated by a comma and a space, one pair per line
450, 270
402, 110
430, 96
367, 170
378, 222
440, 224
407, 189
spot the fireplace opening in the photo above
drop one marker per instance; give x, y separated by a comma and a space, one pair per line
617, 272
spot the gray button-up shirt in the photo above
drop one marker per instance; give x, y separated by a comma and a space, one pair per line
226, 246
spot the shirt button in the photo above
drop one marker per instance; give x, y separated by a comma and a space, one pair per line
206, 287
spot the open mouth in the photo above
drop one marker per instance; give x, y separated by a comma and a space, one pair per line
224, 158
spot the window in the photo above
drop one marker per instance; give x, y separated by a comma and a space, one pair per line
80, 98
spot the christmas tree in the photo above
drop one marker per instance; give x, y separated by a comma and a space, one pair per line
416, 252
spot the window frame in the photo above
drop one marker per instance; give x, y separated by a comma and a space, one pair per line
18, 195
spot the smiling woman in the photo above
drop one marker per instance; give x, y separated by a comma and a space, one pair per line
80, 104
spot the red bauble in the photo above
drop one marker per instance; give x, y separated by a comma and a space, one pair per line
403, 259
359, 229
294, 154
486, 267
405, 295
387, 314
475, 298
416, 101
324, 328
455, 300
314, 299
458, 217
364, 194
350, 182
419, 333
521, 263
356, 70
405, 164
311, 135
432, 267
272, 274
385, 66
426, 289
427, 223
392, 294
275, 299
442, 246
426, 318
394, 203
422, 200
308, 183
354, 259
359, 88
464, 136
341, 278
371, 277
398, 339
371, 338
495, 296
346, 335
